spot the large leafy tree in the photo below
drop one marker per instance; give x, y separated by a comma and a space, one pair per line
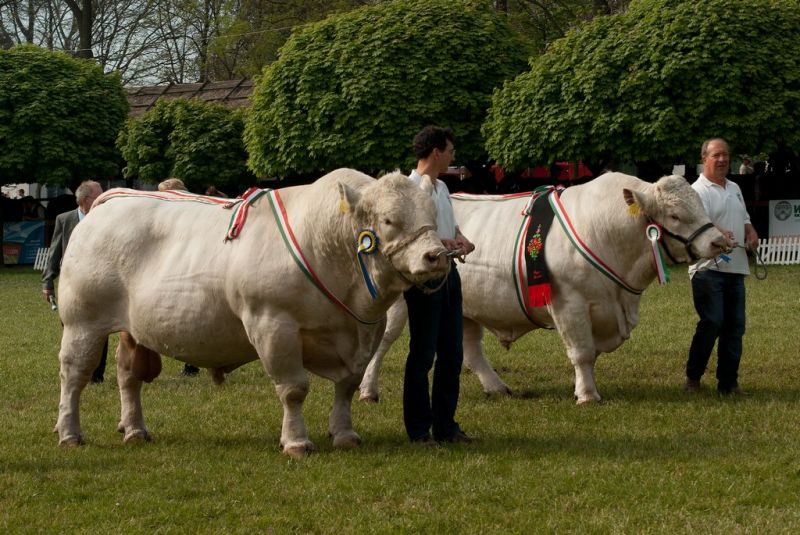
59, 117
653, 82
353, 89
198, 142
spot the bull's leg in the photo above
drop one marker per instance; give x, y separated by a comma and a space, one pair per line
79, 356
575, 327
397, 316
475, 359
585, 387
340, 423
135, 364
280, 350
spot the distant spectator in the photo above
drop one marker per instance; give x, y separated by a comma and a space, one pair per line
86, 193
746, 168
31, 209
172, 184
176, 184
212, 191
20, 193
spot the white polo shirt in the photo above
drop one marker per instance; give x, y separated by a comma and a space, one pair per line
445, 218
725, 207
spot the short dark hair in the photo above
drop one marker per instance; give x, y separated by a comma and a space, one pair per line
706, 143
429, 138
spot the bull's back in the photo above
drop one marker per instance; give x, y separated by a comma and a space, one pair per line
158, 270
487, 277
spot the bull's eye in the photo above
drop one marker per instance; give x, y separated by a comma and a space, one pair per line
387, 221
675, 218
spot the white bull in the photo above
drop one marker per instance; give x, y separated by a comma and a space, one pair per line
592, 314
160, 273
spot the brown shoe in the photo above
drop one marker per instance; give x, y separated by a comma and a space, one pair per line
459, 437
424, 442
735, 391
692, 386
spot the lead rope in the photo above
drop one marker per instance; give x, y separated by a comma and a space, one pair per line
756, 261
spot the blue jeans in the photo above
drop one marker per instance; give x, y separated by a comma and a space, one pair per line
720, 303
436, 327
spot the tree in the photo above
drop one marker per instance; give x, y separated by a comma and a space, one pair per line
198, 142
59, 117
653, 82
353, 89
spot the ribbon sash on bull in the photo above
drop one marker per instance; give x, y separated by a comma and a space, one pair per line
281, 217
240, 207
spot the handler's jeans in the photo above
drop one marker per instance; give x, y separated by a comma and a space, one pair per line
436, 327
720, 303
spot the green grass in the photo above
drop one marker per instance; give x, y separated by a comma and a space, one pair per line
646, 460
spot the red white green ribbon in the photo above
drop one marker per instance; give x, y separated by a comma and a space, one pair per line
242, 205
588, 254
653, 233
282, 219
239, 205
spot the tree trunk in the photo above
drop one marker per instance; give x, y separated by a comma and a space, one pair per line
84, 17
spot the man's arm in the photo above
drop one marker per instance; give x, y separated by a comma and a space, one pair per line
750, 236
53, 266
463, 243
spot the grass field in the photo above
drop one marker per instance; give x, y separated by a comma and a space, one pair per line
646, 460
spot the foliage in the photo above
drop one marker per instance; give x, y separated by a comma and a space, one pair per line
59, 117
353, 89
646, 460
253, 31
198, 142
543, 21
655, 81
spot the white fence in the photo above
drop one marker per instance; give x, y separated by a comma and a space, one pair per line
41, 258
780, 250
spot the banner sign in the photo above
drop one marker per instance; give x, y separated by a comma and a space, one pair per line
21, 241
784, 218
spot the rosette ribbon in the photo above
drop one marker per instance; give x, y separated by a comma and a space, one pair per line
653, 232
367, 245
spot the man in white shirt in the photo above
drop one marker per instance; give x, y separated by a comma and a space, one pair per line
718, 284
435, 319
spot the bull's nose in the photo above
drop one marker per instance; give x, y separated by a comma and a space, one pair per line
435, 260
722, 244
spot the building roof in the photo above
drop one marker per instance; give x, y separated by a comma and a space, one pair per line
231, 93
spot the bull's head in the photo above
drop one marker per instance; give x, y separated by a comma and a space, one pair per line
673, 204
403, 218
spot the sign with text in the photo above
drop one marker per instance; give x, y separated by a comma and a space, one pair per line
784, 218
21, 241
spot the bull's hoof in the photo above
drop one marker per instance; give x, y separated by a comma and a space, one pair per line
72, 441
369, 397
348, 440
137, 436
587, 400
299, 450
499, 391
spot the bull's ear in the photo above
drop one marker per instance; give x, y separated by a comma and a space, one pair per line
348, 198
427, 184
638, 202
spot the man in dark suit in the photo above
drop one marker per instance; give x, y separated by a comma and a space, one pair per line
85, 195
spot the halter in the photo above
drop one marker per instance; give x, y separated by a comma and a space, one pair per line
687, 242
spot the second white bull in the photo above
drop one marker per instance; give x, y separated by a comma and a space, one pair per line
599, 259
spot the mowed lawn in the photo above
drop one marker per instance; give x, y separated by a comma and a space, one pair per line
648, 459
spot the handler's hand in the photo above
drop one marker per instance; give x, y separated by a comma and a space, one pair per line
751, 236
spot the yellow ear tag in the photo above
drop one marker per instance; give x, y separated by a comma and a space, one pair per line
633, 209
343, 206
